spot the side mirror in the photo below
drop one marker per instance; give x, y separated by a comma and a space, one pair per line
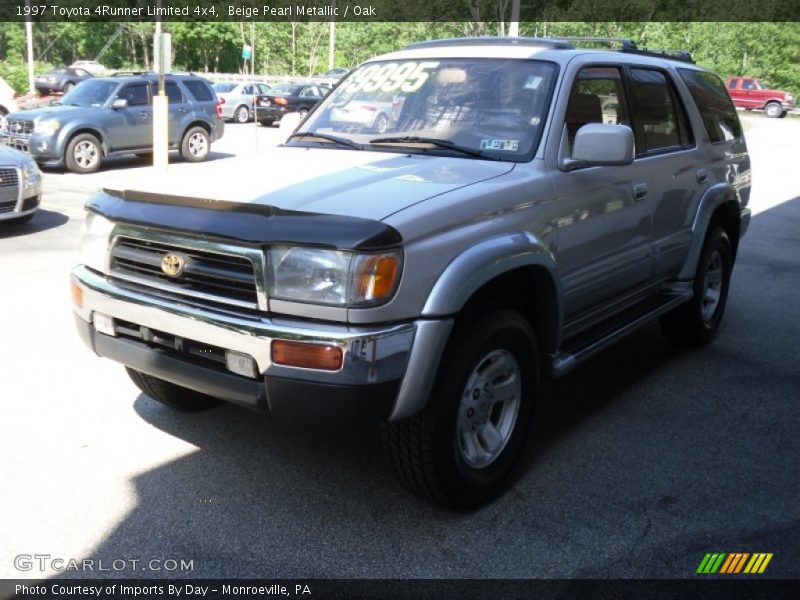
601, 144
120, 103
288, 125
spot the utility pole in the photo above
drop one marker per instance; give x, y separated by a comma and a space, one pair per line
29, 36
332, 36
160, 101
513, 29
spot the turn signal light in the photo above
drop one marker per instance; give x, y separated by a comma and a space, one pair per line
306, 356
281, 101
77, 294
375, 277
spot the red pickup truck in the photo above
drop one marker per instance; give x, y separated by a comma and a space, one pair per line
749, 93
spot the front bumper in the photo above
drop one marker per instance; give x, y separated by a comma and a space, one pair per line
372, 384
42, 148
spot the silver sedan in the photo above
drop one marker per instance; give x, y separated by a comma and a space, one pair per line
237, 98
20, 186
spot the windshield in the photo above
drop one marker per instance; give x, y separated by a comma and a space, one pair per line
223, 88
492, 106
90, 93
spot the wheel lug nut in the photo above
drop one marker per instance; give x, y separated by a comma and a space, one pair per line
476, 394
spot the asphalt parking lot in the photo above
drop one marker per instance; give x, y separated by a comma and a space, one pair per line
643, 459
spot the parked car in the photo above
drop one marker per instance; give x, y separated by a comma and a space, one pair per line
367, 111
335, 73
282, 99
60, 80
20, 186
94, 67
7, 102
749, 93
238, 98
108, 116
428, 277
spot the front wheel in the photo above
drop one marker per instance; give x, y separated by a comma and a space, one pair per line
83, 154
169, 394
773, 110
195, 145
696, 322
68, 87
461, 450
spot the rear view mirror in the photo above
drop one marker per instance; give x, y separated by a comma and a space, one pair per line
288, 125
120, 103
600, 144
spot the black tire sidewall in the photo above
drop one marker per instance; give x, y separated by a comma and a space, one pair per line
69, 155
503, 330
717, 240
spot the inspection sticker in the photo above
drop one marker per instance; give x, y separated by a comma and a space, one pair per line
503, 145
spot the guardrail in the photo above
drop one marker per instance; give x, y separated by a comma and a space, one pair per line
270, 79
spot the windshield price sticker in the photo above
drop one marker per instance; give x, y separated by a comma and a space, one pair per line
501, 145
391, 77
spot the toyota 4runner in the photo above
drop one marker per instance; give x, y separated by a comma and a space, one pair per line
528, 204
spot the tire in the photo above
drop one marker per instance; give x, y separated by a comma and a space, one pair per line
696, 323
169, 394
84, 154
19, 220
773, 110
266, 122
381, 124
431, 452
783, 114
68, 87
195, 145
241, 115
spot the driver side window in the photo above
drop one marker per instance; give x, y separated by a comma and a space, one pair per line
597, 96
136, 94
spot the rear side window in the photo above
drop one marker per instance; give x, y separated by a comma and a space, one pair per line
733, 83
715, 105
199, 89
172, 90
660, 114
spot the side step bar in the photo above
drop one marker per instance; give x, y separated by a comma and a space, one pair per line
587, 345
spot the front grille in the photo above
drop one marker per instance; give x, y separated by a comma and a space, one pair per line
20, 128
208, 277
9, 177
7, 205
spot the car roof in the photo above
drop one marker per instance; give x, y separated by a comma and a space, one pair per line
151, 77
555, 50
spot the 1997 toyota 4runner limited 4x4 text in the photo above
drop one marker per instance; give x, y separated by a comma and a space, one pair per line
526, 204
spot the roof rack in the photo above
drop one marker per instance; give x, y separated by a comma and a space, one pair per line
630, 47
492, 41
132, 73
624, 43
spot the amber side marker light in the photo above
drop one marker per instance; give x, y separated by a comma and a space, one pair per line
77, 294
307, 356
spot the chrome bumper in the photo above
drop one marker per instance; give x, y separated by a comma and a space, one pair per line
372, 355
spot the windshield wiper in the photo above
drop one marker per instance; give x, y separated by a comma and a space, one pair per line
413, 139
327, 137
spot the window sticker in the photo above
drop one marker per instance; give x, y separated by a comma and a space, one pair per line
533, 82
502, 145
404, 77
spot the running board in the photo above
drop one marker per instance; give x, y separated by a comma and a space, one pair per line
586, 345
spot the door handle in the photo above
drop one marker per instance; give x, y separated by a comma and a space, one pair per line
181, 110
702, 176
640, 191
144, 114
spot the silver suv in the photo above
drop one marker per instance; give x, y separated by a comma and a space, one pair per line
525, 205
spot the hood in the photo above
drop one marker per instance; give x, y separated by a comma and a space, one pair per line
53, 112
371, 185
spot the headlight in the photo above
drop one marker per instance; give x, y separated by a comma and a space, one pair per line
94, 241
332, 277
31, 174
45, 127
